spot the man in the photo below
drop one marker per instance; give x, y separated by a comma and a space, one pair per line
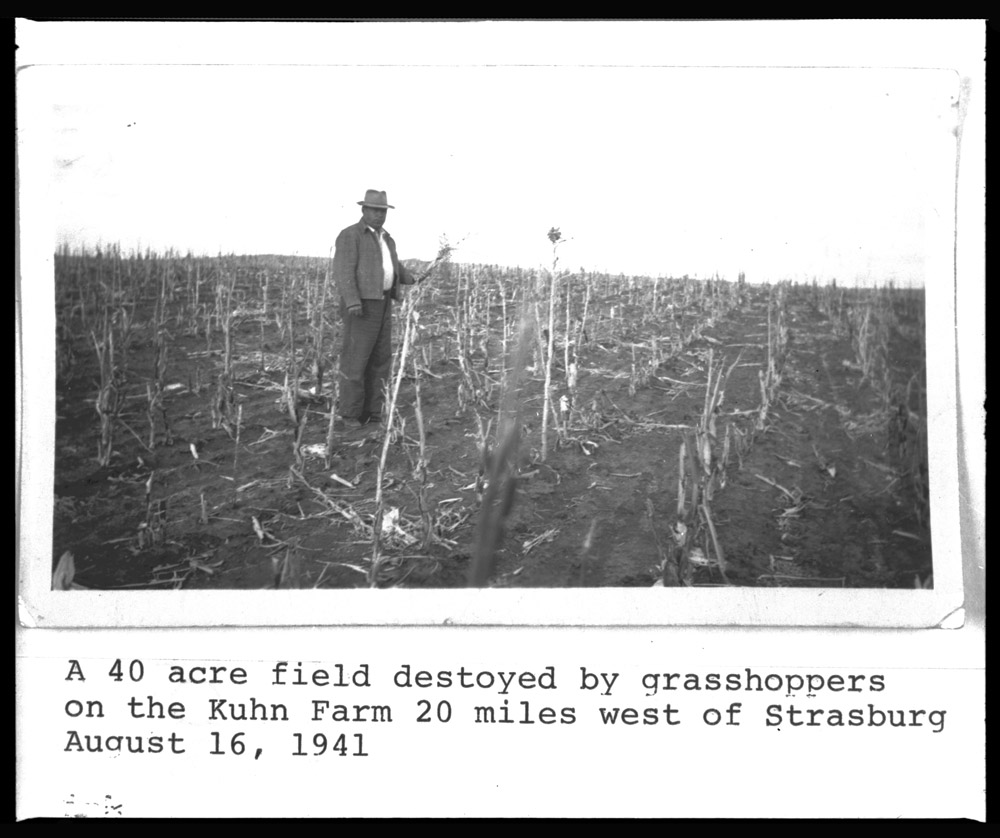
368, 275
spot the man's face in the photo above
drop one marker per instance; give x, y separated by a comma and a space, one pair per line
373, 217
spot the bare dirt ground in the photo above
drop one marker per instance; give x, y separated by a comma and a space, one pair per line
820, 498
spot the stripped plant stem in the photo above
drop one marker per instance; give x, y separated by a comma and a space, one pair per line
300, 429
410, 318
331, 433
554, 237
719, 556
420, 469
501, 468
110, 396
318, 345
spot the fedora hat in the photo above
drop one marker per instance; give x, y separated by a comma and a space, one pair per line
374, 198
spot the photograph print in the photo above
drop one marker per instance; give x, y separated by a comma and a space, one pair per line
530, 327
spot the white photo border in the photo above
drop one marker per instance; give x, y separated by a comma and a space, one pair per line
38, 606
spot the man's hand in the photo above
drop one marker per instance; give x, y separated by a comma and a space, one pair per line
355, 310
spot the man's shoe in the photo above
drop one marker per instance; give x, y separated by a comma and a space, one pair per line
349, 424
374, 418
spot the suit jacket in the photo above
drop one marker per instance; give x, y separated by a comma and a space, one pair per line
357, 265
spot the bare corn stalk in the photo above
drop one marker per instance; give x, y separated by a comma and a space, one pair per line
318, 345
291, 386
331, 433
554, 236
410, 318
420, 467
581, 333
302, 418
152, 531
155, 404
110, 397
236, 440
223, 400
701, 468
500, 467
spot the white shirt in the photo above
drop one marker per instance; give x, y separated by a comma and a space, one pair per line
388, 273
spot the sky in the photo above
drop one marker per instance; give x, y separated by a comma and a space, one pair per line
646, 168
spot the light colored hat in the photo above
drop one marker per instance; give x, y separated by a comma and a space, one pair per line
374, 198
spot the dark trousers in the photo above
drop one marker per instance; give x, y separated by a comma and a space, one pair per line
365, 358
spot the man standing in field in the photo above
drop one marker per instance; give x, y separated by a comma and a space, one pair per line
368, 275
